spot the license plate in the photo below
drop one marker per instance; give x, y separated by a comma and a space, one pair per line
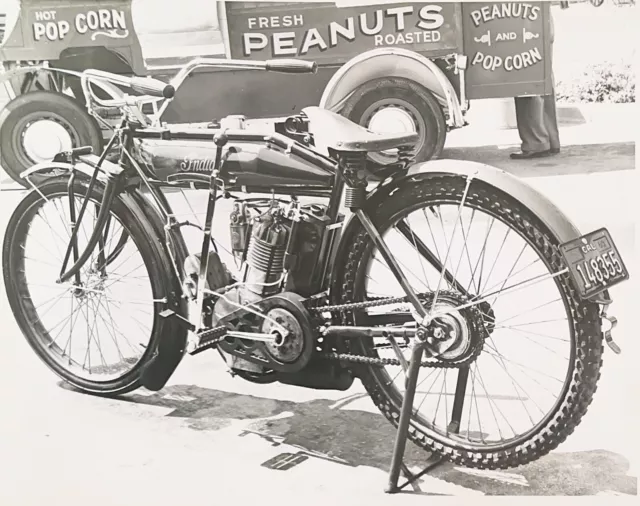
594, 263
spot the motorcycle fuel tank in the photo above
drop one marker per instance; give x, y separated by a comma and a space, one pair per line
251, 165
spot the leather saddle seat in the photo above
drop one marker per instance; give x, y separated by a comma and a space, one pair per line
339, 133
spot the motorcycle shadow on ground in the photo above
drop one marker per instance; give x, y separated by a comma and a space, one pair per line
321, 429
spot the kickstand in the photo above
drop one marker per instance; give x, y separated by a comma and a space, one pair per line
397, 462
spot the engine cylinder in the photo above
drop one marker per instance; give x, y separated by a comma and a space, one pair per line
265, 256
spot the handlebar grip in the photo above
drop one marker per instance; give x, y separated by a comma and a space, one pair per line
152, 87
82, 151
291, 66
144, 85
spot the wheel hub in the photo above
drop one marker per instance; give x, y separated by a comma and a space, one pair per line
459, 333
391, 116
392, 119
45, 138
451, 333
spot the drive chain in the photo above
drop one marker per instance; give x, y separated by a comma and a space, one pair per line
361, 359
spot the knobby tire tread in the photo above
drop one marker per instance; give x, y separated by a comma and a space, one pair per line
587, 335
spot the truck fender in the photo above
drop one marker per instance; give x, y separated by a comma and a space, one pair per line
18, 71
557, 223
392, 62
108, 88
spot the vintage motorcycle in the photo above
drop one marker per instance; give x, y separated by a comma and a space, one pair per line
450, 269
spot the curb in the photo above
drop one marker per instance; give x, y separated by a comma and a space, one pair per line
499, 114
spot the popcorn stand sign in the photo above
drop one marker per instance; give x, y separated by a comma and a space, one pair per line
506, 44
383, 64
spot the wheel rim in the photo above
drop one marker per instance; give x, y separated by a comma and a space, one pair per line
439, 382
393, 115
81, 331
40, 136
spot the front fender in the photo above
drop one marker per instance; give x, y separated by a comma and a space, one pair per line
86, 165
392, 62
557, 223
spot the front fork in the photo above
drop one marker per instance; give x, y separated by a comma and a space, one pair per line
102, 221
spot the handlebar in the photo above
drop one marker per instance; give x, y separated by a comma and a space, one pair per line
154, 89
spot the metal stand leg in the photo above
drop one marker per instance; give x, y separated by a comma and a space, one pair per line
397, 463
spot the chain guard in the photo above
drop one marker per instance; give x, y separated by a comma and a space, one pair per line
258, 352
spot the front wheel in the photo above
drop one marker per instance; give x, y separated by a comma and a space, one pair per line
97, 332
517, 371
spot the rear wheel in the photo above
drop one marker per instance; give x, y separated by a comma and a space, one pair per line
520, 369
99, 334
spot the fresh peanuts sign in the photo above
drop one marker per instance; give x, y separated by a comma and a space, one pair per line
326, 32
506, 43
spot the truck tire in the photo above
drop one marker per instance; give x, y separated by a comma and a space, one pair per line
382, 102
36, 126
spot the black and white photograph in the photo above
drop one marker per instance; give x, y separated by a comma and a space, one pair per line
319, 252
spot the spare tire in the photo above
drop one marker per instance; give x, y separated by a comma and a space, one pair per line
36, 126
391, 104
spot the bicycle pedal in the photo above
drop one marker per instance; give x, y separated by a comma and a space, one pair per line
208, 339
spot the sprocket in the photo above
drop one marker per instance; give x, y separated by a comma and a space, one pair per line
473, 318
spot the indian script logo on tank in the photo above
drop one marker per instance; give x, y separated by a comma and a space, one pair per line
52, 25
324, 31
192, 164
485, 17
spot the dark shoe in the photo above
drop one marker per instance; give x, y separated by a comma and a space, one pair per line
525, 155
554, 151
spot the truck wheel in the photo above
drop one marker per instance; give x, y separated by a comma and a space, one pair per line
36, 126
392, 104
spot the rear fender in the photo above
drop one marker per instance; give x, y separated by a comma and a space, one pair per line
557, 223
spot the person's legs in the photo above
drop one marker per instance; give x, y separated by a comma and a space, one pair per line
531, 124
551, 121
550, 114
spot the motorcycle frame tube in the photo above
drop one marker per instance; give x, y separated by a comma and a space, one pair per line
332, 191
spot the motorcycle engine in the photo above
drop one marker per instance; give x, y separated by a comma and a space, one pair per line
278, 249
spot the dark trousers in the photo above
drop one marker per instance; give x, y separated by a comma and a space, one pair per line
537, 121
